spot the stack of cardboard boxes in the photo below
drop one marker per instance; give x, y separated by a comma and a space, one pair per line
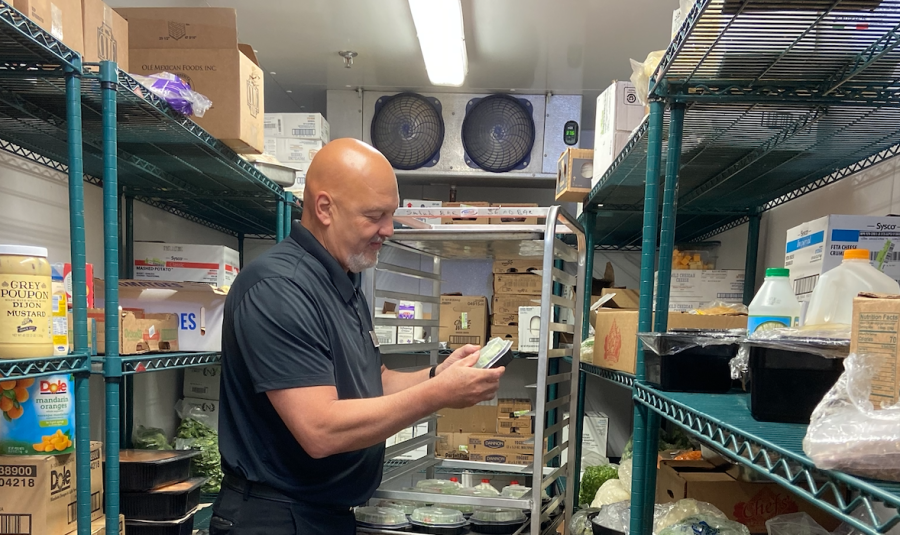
294, 139
499, 433
517, 290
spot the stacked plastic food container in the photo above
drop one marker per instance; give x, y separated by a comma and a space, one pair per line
158, 496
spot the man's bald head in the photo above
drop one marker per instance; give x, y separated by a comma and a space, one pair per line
349, 200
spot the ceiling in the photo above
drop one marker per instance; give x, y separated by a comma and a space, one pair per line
527, 46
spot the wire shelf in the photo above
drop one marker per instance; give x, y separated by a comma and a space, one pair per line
775, 450
613, 376
165, 361
25, 368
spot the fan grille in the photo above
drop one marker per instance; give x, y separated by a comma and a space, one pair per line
409, 130
498, 133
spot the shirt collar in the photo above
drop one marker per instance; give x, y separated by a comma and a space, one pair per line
346, 283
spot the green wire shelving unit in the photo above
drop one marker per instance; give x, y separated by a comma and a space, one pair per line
98, 125
753, 105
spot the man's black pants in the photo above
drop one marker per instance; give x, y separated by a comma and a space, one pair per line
244, 508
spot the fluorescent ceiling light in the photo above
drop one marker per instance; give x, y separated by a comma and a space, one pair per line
439, 25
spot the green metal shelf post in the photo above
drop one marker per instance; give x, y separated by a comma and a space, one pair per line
79, 297
127, 394
590, 223
112, 361
646, 423
667, 230
288, 212
752, 251
279, 221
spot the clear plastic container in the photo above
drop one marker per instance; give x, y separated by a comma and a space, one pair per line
497, 520
692, 259
438, 520
407, 506
514, 490
774, 306
486, 486
831, 303
381, 517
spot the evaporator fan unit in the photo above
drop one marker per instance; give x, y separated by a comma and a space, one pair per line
409, 130
498, 133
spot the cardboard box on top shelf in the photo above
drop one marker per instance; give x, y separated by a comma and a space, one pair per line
178, 262
818, 246
508, 406
574, 171
518, 266
422, 203
530, 329
518, 284
202, 382
507, 332
139, 332
512, 220
61, 18
105, 34
199, 308
616, 343
619, 112
200, 45
467, 220
874, 333
41, 492
98, 527
296, 153
311, 126
463, 320
750, 504
694, 288
475, 419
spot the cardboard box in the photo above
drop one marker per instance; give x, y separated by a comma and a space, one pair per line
212, 264
694, 288
516, 220
521, 426
616, 342
421, 203
574, 171
39, 492
530, 329
518, 266
492, 443
818, 246
199, 307
139, 332
518, 284
507, 332
91, 328
200, 46
619, 112
105, 34
750, 504
502, 458
205, 410
296, 153
509, 406
506, 308
89, 279
202, 382
875, 330
62, 18
98, 527
467, 220
475, 419
298, 126
594, 433
463, 320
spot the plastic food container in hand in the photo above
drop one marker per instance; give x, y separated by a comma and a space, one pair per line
497, 520
381, 517
438, 520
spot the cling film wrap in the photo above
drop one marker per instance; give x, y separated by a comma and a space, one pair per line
848, 432
674, 342
828, 343
176, 92
617, 516
581, 521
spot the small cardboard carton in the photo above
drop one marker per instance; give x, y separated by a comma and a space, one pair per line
475, 419
518, 266
521, 426
506, 307
509, 406
574, 171
450, 445
518, 284
105, 34
512, 220
62, 18
463, 320
298, 126
490, 443
507, 332
530, 329
41, 492
467, 220
874, 333
182, 262
139, 332
202, 382
502, 457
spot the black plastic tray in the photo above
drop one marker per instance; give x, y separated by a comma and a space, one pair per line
495, 528
437, 530
785, 386
166, 503
143, 470
182, 526
597, 529
698, 369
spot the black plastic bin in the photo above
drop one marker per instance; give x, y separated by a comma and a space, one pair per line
182, 526
695, 369
166, 503
143, 470
786, 386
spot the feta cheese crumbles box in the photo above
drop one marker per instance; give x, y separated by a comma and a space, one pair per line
818, 246
212, 264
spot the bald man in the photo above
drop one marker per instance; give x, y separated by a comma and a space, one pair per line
306, 404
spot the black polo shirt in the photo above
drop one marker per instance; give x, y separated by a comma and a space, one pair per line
295, 318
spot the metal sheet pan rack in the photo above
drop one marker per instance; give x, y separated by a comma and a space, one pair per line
556, 386
751, 107
96, 124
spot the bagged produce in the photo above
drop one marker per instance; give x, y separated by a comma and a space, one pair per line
194, 432
613, 491
794, 524
705, 525
150, 438
176, 93
594, 477
625, 469
587, 349
581, 521
847, 433
615, 516
643, 72
683, 509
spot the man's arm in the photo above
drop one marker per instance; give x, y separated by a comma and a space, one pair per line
394, 381
325, 425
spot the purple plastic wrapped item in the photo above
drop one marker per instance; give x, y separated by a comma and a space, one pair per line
176, 92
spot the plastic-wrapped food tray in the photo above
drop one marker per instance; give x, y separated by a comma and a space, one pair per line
181, 526
165, 503
690, 361
407, 506
381, 518
786, 385
438, 521
497, 520
143, 470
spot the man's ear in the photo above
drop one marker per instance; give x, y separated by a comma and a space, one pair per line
324, 207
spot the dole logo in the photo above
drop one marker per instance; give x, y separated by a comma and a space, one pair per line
59, 387
60, 480
493, 443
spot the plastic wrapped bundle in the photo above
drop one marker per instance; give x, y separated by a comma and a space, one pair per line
705, 525
176, 92
581, 521
613, 491
794, 524
683, 509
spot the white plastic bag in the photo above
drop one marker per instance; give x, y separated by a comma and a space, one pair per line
625, 474
642, 72
683, 509
847, 433
706, 525
610, 492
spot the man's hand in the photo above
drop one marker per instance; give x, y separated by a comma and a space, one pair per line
464, 385
456, 356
